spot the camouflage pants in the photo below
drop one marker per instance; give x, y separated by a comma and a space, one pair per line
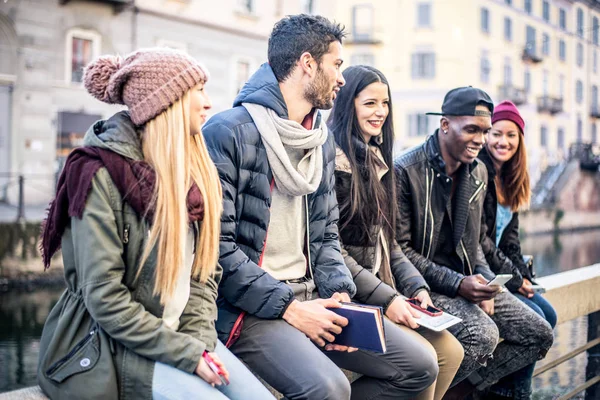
526, 337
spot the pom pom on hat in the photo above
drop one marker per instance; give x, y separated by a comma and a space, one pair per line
97, 76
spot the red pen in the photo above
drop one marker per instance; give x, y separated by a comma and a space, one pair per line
215, 368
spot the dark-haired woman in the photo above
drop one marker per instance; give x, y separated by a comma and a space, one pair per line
361, 121
509, 190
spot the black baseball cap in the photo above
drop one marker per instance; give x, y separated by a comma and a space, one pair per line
464, 101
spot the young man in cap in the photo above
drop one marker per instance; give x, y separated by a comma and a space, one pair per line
441, 189
282, 264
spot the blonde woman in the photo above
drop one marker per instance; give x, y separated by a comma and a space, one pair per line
137, 213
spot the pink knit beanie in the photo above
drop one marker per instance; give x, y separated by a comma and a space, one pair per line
147, 81
508, 111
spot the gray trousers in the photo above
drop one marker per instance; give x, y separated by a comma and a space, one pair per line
286, 359
526, 337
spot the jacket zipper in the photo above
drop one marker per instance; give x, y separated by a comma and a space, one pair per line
476, 192
466, 257
431, 214
427, 198
66, 358
308, 237
126, 233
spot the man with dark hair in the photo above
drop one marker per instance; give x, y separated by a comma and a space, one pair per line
282, 265
441, 189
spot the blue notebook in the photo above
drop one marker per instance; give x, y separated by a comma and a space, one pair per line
365, 327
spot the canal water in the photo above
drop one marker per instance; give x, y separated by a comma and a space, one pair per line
22, 316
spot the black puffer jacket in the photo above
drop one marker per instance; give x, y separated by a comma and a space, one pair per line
506, 258
423, 193
237, 150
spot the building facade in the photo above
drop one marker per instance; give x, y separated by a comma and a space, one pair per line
541, 54
44, 45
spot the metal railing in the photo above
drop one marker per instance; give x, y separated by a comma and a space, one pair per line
23, 181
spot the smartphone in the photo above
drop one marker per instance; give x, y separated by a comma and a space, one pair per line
215, 368
431, 310
500, 280
538, 289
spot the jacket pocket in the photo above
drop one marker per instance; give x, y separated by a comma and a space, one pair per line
82, 357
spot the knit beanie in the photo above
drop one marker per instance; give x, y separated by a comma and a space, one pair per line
147, 81
508, 111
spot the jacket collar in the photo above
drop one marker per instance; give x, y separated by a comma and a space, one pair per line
263, 89
485, 157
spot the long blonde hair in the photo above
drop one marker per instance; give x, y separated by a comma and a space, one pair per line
179, 159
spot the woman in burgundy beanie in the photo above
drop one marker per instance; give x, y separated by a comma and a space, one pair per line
137, 214
509, 191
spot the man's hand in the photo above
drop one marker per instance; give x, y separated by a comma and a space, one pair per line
526, 289
474, 289
400, 312
342, 297
487, 306
423, 297
315, 320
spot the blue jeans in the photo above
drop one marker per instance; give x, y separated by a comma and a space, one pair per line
170, 383
518, 384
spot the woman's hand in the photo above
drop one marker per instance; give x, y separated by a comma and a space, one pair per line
526, 289
204, 371
400, 312
423, 297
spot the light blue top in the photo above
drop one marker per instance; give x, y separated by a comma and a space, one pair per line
503, 217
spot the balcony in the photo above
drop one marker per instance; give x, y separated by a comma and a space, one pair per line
514, 94
118, 5
549, 104
531, 55
363, 38
595, 111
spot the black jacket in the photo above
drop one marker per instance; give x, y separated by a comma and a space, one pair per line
236, 147
506, 258
359, 253
423, 191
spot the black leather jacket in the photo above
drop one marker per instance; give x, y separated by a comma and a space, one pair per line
506, 258
423, 193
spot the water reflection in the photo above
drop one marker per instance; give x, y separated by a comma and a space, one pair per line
564, 252
22, 317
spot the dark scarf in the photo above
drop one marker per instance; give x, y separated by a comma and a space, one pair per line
134, 180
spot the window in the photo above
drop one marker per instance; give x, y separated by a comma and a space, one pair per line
362, 22
580, 22
579, 55
424, 15
527, 6
423, 65
595, 35
579, 91
594, 134
579, 129
530, 44
362, 59
82, 47
560, 138
545, 44
546, 11
561, 86
507, 72
562, 50
242, 73
544, 136
507, 29
509, 2
527, 81
485, 68
420, 124
562, 19
485, 20
246, 6
594, 98
309, 6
